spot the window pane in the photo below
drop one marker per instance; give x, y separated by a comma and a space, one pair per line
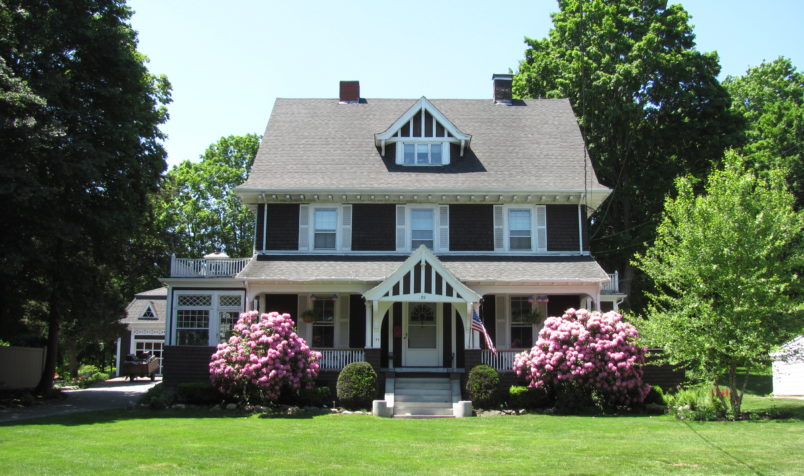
520, 243
520, 307
421, 219
417, 243
323, 336
521, 337
326, 220
192, 336
519, 220
227, 321
324, 241
324, 310
435, 153
422, 153
409, 154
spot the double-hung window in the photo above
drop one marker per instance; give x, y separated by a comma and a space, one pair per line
520, 233
422, 227
423, 153
325, 221
324, 323
521, 323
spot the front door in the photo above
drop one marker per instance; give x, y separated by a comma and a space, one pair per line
422, 337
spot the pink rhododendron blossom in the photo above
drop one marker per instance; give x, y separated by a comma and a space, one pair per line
595, 350
263, 356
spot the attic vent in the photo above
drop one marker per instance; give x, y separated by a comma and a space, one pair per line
350, 92
502, 88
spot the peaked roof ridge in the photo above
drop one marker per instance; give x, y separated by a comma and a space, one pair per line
422, 104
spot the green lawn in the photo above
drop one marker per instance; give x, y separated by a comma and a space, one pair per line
146, 442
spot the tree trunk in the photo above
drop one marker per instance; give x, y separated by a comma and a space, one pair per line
54, 322
72, 357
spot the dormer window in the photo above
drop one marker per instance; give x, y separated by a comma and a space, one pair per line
426, 153
422, 136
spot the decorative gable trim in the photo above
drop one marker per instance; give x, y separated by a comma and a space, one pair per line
422, 278
452, 133
149, 314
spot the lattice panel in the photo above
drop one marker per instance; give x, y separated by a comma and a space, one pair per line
229, 301
189, 300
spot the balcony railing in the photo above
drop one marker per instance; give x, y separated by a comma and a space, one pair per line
206, 268
613, 287
336, 359
502, 362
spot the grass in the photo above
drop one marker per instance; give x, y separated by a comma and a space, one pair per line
173, 442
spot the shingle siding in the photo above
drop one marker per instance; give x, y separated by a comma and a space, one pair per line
471, 228
373, 227
283, 227
562, 228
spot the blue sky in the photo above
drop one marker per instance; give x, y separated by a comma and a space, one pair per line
228, 64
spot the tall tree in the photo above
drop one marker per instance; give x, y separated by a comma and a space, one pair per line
74, 199
725, 264
201, 212
771, 99
649, 104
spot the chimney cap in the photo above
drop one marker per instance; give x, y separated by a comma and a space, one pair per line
502, 77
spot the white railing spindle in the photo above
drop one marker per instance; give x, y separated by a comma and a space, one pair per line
206, 268
502, 362
336, 359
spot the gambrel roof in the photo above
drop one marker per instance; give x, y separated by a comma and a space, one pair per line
320, 144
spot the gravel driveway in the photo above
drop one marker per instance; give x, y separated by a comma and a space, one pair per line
114, 393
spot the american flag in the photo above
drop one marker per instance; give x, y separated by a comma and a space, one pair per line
478, 326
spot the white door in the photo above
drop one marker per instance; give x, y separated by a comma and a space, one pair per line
422, 337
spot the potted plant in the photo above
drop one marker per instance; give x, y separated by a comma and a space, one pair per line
308, 316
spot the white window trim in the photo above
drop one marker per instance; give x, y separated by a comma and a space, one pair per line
214, 311
438, 227
535, 246
341, 229
445, 149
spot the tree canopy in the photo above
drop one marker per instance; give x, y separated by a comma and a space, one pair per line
771, 99
649, 104
725, 264
86, 154
200, 212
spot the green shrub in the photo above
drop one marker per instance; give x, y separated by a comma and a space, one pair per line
528, 397
316, 397
357, 385
573, 398
696, 403
158, 397
483, 386
656, 396
198, 393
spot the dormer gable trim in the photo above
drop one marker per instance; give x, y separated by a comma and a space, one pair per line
423, 104
399, 286
149, 314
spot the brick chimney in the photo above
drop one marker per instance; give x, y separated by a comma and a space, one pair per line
350, 92
502, 88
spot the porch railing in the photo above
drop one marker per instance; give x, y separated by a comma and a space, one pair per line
502, 362
206, 268
336, 359
613, 287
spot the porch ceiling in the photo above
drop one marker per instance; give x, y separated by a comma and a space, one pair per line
374, 269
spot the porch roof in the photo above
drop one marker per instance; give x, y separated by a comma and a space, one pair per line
375, 269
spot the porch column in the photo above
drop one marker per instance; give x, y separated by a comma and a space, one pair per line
369, 342
251, 294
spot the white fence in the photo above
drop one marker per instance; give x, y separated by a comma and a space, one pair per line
502, 362
206, 268
336, 359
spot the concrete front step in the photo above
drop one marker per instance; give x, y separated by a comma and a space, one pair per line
422, 397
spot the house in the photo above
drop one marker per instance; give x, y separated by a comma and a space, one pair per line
393, 221
788, 369
145, 326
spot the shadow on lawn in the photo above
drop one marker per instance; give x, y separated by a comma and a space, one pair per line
714, 446
111, 416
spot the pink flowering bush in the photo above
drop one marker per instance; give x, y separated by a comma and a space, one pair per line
590, 351
263, 357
